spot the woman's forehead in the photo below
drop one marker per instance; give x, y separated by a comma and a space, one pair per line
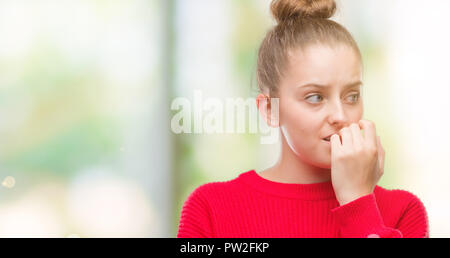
324, 64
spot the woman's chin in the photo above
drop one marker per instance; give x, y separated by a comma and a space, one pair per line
324, 166
320, 159
321, 164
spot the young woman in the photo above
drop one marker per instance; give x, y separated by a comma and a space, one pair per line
325, 182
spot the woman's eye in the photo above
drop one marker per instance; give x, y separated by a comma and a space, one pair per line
314, 97
355, 97
318, 98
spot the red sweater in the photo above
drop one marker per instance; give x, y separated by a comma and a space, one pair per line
252, 206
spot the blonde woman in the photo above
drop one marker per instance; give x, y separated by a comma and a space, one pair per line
325, 181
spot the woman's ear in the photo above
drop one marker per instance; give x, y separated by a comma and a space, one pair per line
268, 108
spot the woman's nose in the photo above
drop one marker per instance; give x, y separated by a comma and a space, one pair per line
337, 114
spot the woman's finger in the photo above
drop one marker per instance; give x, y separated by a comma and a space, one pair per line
381, 155
347, 138
335, 144
370, 135
356, 135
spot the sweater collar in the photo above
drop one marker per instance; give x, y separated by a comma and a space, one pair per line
316, 191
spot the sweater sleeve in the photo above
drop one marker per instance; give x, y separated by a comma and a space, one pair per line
414, 221
195, 219
361, 218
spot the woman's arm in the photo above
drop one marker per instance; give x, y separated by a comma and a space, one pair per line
195, 219
361, 218
357, 165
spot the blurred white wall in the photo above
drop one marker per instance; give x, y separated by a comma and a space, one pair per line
418, 68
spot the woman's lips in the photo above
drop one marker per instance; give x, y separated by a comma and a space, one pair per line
327, 139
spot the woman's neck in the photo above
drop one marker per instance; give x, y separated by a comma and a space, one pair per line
292, 169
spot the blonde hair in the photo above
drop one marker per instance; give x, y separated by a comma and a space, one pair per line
300, 23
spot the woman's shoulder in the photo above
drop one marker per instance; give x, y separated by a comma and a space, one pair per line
402, 209
397, 198
397, 194
218, 188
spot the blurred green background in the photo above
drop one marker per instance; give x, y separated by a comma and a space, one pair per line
85, 92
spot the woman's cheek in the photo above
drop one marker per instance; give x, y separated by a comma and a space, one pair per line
296, 139
297, 125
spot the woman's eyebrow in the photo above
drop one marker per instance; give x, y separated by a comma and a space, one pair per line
315, 85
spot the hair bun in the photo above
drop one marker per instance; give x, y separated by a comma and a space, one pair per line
283, 10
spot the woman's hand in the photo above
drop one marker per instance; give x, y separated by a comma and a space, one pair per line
357, 163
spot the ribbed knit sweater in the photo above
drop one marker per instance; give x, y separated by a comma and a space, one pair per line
252, 206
